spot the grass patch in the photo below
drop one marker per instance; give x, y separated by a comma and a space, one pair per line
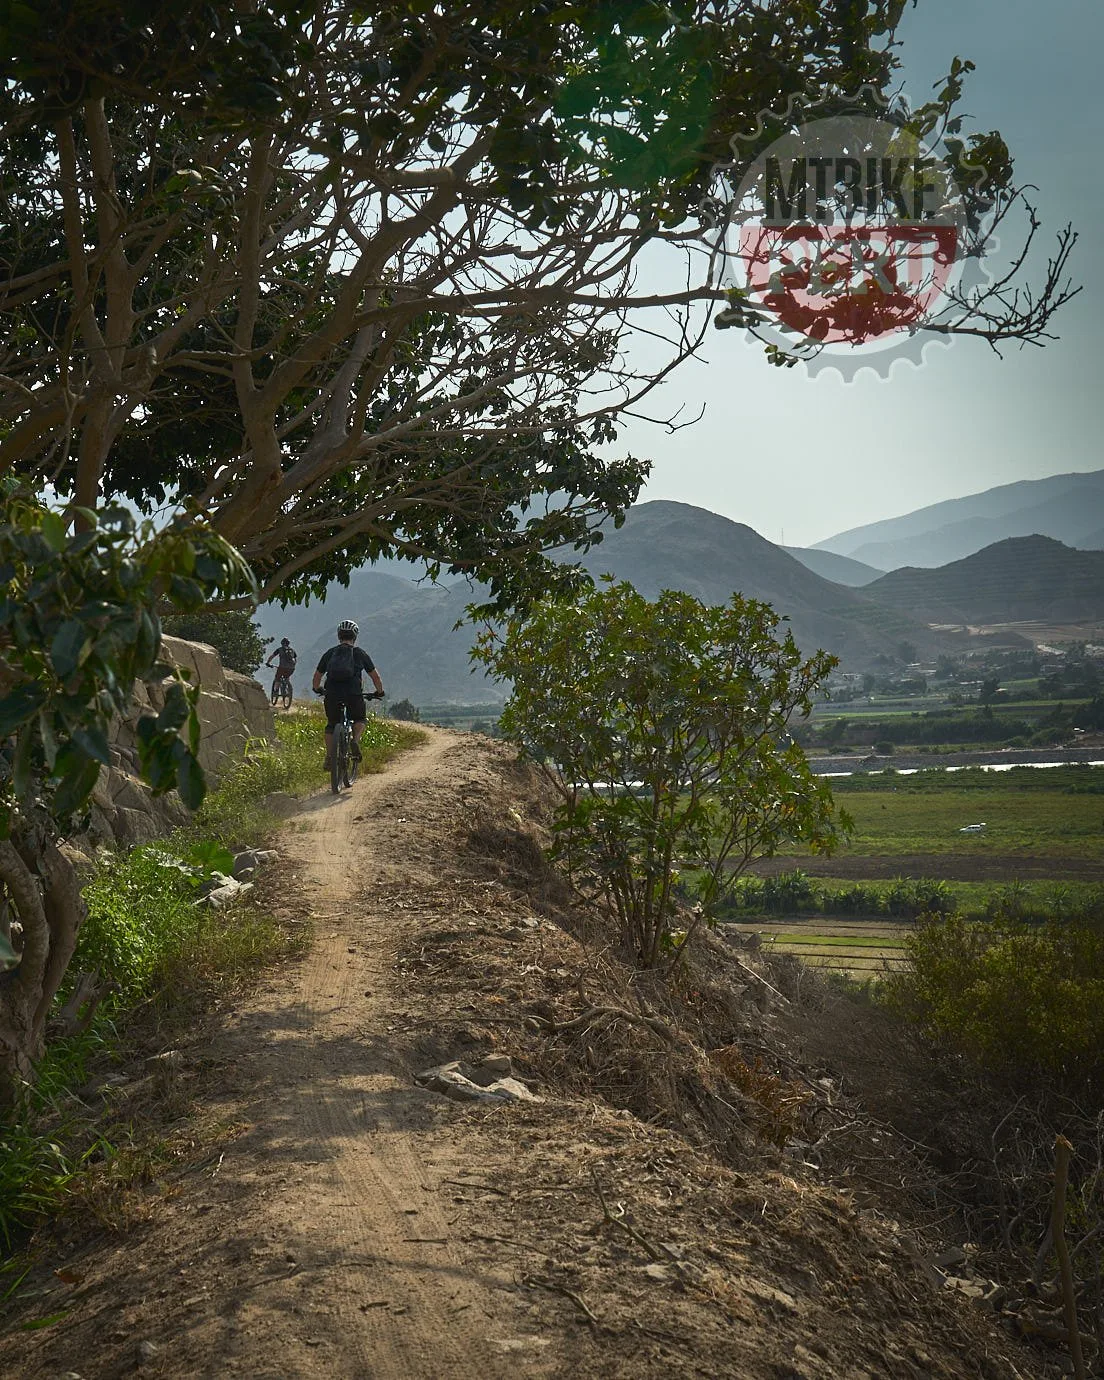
1057, 812
842, 941
236, 814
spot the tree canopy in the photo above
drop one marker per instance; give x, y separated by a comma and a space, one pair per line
354, 281
664, 727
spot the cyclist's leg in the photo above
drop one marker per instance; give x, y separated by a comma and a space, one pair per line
357, 729
332, 706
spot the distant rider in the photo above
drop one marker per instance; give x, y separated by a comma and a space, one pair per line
288, 656
342, 666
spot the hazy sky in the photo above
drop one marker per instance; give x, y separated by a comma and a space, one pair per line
785, 452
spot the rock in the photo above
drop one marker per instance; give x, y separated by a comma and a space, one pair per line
228, 892
145, 1353
498, 1065
245, 864
660, 1273
454, 1080
950, 1258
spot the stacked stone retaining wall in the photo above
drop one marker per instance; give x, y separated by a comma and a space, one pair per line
232, 709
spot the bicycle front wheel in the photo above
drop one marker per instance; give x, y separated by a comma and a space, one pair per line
339, 757
287, 694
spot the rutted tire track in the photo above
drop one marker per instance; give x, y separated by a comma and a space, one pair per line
382, 1291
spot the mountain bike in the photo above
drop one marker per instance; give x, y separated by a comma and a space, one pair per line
281, 689
344, 761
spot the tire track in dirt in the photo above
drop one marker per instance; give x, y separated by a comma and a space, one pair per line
385, 1293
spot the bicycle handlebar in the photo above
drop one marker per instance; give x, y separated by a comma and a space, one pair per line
375, 695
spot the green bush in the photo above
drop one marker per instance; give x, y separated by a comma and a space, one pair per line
854, 900
910, 897
664, 727
790, 891
140, 907
1019, 1000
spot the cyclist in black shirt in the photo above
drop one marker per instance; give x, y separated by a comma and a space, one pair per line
342, 667
285, 665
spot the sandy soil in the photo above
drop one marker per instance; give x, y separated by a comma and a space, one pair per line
336, 1220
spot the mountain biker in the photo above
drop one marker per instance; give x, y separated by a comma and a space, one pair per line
288, 656
342, 666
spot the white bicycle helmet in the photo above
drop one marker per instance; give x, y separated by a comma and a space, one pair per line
348, 626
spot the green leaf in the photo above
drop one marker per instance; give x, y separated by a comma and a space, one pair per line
69, 647
8, 957
209, 857
76, 784
20, 705
21, 763
93, 741
49, 739
190, 780
174, 714
53, 529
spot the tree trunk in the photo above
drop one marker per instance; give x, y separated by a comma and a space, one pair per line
42, 893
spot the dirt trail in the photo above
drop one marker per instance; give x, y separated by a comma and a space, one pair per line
379, 1291
316, 1243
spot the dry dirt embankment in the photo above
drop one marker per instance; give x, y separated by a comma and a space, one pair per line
636, 1222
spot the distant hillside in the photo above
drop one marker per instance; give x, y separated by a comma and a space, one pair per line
408, 628
665, 545
841, 570
1012, 581
1067, 507
368, 590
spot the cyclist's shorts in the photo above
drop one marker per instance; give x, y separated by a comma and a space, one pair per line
358, 711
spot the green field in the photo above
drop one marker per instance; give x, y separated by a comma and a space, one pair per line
1054, 822
854, 949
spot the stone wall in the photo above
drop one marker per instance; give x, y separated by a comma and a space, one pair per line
232, 709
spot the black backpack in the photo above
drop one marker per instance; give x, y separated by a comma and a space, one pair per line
342, 671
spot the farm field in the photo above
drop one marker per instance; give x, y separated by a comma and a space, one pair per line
855, 949
1039, 825
1055, 823
1043, 840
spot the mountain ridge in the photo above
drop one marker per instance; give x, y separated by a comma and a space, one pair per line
1031, 578
1068, 507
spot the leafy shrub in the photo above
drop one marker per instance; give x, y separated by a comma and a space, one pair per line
664, 728
910, 897
1023, 1001
139, 907
1013, 903
854, 900
790, 891
884, 747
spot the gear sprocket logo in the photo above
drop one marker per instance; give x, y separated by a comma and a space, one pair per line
842, 237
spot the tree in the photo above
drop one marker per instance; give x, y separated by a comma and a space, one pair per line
835, 731
233, 633
664, 729
405, 709
358, 279
988, 690
79, 630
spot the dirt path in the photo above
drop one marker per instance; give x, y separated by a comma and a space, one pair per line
316, 1244
378, 1291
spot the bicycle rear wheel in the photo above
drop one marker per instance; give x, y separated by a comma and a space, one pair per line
339, 757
